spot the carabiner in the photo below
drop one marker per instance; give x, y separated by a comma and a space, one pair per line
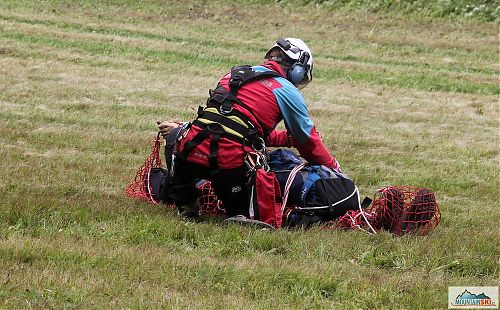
262, 148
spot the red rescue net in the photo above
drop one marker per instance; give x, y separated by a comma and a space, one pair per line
354, 219
208, 202
398, 209
140, 187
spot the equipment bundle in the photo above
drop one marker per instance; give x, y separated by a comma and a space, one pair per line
286, 192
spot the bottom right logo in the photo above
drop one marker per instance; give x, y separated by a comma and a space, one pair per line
473, 297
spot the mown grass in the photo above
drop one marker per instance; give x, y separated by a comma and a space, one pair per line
486, 10
399, 100
424, 78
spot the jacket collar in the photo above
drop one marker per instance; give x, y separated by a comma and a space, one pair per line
273, 65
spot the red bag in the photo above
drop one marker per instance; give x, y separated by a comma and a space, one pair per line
266, 199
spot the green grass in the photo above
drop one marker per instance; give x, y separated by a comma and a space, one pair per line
485, 10
400, 98
425, 78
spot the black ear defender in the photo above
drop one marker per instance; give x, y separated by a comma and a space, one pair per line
298, 69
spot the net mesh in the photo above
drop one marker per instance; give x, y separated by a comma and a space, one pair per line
398, 209
353, 219
140, 188
208, 202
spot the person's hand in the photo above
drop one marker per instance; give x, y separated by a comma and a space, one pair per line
166, 126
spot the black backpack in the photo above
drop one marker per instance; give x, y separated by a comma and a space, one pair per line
315, 194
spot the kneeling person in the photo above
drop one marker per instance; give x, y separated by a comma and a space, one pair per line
241, 115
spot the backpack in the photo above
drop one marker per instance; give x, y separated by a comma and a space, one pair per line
311, 193
265, 205
283, 159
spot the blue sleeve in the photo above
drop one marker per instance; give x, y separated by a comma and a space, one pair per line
294, 111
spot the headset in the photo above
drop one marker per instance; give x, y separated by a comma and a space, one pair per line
299, 69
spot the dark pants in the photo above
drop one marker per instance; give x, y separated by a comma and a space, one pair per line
229, 185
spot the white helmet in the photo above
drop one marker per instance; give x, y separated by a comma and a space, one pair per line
300, 71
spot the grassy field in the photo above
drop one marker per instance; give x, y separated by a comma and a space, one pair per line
401, 100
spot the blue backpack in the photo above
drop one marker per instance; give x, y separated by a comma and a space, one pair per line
315, 190
283, 159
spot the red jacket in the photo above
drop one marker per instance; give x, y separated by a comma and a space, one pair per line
269, 101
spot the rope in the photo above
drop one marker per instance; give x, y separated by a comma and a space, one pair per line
288, 185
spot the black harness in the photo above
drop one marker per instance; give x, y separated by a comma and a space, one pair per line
219, 120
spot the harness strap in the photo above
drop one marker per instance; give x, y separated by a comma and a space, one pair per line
239, 76
223, 100
311, 178
222, 125
225, 121
226, 135
214, 150
243, 74
217, 132
202, 135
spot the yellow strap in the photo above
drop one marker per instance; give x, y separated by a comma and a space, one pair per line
226, 129
231, 117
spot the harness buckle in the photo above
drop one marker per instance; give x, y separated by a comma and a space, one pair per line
235, 81
260, 154
215, 128
183, 132
225, 108
254, 161
259, 145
